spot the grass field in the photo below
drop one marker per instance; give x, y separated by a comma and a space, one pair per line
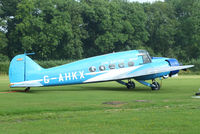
102, 108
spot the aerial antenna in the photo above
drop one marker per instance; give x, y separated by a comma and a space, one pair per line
29, 53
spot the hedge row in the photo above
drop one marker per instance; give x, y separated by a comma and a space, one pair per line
4, 65
195, 69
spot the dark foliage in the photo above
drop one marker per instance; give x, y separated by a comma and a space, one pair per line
71, 29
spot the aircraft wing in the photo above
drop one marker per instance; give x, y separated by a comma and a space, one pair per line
132, 72
149, 71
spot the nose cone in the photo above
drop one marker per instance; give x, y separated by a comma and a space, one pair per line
173, 62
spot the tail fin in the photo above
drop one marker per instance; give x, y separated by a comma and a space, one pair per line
21, 67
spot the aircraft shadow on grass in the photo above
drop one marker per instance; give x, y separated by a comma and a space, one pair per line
83, 89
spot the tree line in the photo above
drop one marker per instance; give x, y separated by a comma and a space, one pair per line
75, 29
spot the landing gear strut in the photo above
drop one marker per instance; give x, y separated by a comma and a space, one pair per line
129, 85
27, 89
154, 86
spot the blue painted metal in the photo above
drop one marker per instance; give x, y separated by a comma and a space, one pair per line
173, 62
145, 83
23, 68
121, 82
16, 69
24, 72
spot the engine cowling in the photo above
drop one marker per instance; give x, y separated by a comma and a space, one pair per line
173, 62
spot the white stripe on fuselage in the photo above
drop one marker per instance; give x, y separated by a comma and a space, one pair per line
94, 73
112, 74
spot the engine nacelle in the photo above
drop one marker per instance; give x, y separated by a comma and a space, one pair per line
173, 62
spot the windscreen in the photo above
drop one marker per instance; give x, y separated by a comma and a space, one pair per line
145, 56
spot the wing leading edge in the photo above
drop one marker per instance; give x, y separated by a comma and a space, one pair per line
150, 71
134, 72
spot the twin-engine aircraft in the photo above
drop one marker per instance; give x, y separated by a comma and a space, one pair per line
134, 64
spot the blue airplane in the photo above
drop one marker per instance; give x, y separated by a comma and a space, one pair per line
134, 64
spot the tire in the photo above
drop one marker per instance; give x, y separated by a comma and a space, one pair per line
156, 86
130, 84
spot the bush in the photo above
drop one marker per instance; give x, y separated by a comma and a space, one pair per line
3, 58
4, 67
195, 69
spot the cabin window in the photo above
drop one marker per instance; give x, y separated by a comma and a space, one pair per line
92, 69
112, 66
130, 63
102, 68
121, 65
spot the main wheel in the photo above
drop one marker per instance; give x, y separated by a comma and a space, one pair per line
155, 86
130, 84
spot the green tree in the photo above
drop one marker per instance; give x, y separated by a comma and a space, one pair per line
3, 46
162, 25
135, 20
71, 44
96, 17
113, 26
3, 39
188, 36
7, 12
49, 28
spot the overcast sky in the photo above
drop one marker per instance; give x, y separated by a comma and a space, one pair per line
145, 0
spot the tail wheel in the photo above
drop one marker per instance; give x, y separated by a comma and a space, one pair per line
155, 86
27, 89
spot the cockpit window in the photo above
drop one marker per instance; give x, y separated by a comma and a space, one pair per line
146, 59
145, 56
92, 69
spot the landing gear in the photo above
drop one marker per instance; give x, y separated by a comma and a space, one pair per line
129, 85
27, 89
155, 85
